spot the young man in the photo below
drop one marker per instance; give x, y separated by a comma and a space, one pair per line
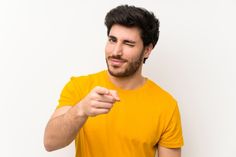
118, 112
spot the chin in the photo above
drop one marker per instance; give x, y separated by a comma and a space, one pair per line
116, 72
119, 73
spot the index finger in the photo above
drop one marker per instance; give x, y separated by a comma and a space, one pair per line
114, 94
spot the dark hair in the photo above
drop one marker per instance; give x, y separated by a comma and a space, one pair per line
132, 16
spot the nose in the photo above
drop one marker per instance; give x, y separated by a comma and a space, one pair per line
117, 51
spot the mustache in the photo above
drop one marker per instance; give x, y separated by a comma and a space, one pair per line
117, 57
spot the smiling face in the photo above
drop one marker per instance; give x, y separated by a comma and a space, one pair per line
124, 51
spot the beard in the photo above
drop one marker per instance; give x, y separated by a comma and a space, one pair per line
130, 68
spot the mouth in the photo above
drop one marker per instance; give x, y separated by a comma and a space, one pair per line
116, 62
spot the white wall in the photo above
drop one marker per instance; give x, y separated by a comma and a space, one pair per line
43, 43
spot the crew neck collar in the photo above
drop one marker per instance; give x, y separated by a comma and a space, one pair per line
113, 86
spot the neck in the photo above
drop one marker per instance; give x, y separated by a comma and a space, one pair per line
131, 82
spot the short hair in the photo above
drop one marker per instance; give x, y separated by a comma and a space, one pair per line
131, 16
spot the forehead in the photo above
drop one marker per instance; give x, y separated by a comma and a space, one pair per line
125, 33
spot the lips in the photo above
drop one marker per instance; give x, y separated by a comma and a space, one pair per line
116, 62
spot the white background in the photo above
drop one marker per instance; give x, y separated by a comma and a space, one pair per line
43, 43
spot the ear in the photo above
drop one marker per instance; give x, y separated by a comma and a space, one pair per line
148, 50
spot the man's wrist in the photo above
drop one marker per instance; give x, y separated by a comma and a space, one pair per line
80, 111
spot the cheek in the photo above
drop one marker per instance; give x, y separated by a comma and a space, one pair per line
133, 54
108, 50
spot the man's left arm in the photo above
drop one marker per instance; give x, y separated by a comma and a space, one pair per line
168, 152
171, 140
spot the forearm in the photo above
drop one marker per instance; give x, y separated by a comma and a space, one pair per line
62, 130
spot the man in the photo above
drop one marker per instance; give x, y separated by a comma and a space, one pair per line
118, 112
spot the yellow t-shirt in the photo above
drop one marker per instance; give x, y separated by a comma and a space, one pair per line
144, 118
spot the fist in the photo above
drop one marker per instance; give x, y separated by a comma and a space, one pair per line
100, 100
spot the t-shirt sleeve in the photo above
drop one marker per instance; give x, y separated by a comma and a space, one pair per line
69, 95
172, 136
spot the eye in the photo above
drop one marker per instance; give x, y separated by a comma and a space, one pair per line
112, 40
129, 44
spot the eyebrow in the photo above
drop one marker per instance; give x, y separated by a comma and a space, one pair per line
112, 37
125, 41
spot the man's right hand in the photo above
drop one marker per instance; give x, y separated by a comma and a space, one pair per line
71, 118
99, 101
